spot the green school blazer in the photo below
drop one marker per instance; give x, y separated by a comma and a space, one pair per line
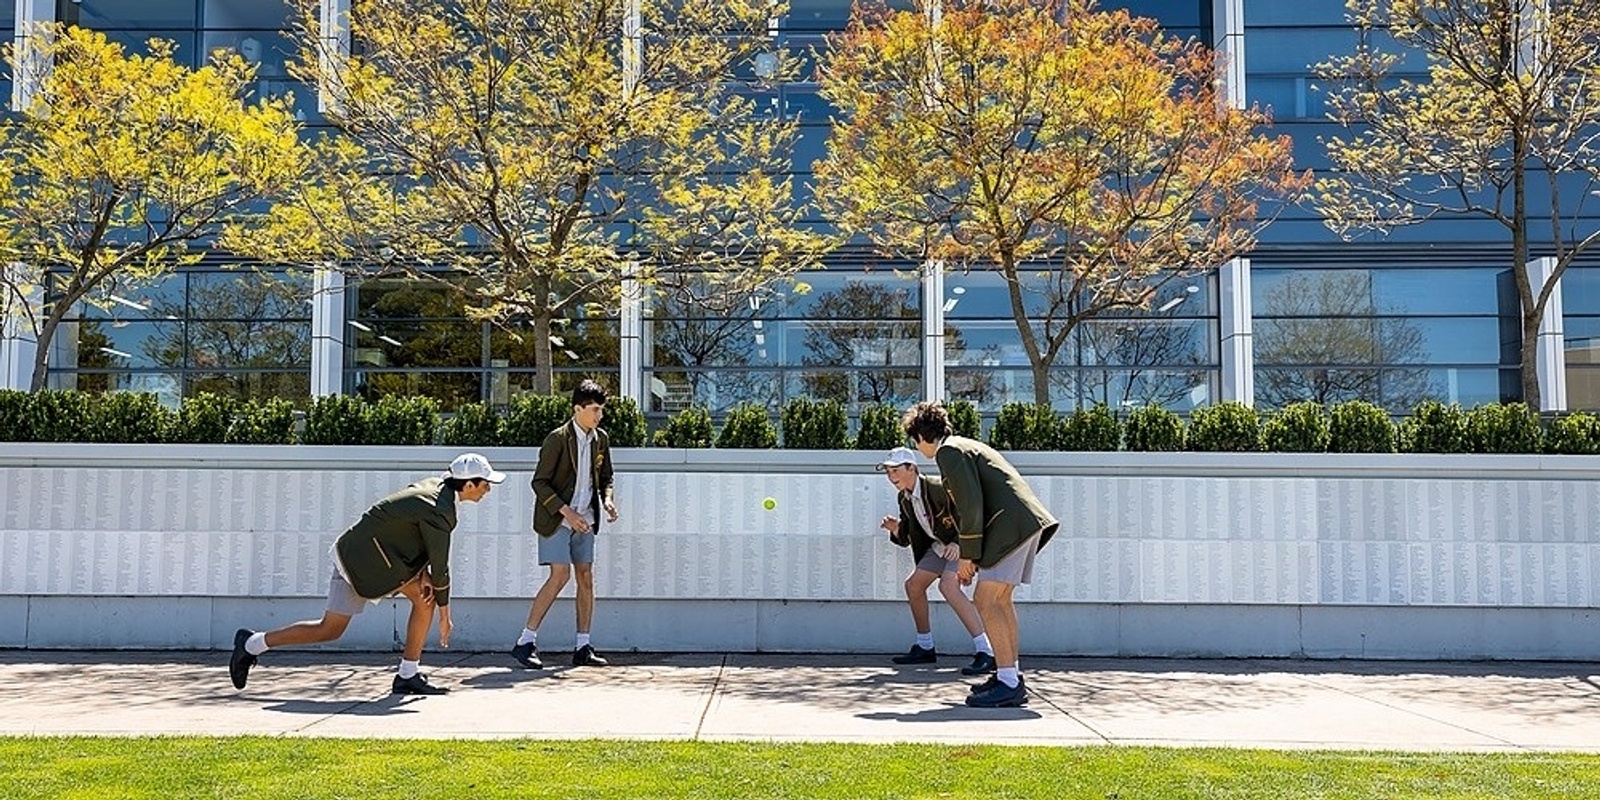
556, 477
399, 536
995, 508
940, 512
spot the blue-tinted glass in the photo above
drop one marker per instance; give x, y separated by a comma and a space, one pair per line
124, 344
1437, 291
126, 15
855, 388
854, 343
1178, 390
1318, 341
717, 342
1425, 340
988, 344
841, 294
1280, 386
1403, 389
270, 15
1170, 13
249, 294
827, 15
989, 389
1310, 292
137, 42
1580, 291
1145, 343
239, 343
1299, 12
672, 391
1294, 51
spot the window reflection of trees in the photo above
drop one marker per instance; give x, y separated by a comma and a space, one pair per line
239, 323
415, 338
1322, 345
869, 328
1150, 357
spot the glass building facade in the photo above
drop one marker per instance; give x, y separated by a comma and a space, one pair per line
1429, 312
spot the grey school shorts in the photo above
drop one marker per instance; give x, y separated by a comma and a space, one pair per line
342, 597
932, 562
567, 547
1016, 567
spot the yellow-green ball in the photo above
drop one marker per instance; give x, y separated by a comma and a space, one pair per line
769, 504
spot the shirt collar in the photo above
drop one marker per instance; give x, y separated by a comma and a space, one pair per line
579, 432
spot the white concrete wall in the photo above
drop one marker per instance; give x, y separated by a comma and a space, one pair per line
1160, 554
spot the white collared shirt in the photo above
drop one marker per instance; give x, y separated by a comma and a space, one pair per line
920, 506
583, 492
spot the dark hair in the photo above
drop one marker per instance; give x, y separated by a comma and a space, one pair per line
457, 484
588, 392
927, 421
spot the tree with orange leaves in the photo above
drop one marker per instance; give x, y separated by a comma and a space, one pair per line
1083, 154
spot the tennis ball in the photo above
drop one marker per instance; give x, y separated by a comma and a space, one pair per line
769, 504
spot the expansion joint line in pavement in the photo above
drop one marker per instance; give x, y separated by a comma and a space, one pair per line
711, 697
1412, 712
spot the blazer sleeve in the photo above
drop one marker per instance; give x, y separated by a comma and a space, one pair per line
902, 535
960, 476
551, 455
605, 473
435, 532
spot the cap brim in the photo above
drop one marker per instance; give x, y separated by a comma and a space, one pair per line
883, 466
496, 477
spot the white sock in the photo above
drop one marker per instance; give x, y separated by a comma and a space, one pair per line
529, 636
925, 640
583, 639
256, 644
980, 644
408, 668
1008, 676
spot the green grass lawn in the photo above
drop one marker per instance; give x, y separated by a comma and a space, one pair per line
102, 768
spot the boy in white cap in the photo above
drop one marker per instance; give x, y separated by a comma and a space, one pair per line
401, 545
927, 525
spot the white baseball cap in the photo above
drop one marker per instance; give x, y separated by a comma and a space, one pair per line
897, 457
473, 466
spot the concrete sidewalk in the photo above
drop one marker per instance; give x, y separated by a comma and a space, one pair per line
849, 698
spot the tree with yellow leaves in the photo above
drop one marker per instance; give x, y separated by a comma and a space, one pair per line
1499, 123
1082, 154
545, 150
121, 165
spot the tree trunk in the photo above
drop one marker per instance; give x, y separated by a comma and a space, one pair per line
1531, 314
544, 366
41, 356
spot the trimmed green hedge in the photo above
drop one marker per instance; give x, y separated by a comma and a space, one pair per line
1350, 427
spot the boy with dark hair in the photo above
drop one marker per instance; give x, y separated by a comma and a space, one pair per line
401, 545
1001, 525
571, 486
927, 525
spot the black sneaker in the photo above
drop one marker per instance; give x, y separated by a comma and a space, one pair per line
527, 655
241, 661
585, 656
917, 655
982, 663
985, 686
1000, 696
416, 684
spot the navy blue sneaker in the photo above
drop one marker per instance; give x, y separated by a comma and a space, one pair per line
1000, 695
917, 655
241, 661
982, 663
527, 655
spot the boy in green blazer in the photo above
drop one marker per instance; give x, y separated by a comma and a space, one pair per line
571, 486
927, 525
401, 545
1002, 526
